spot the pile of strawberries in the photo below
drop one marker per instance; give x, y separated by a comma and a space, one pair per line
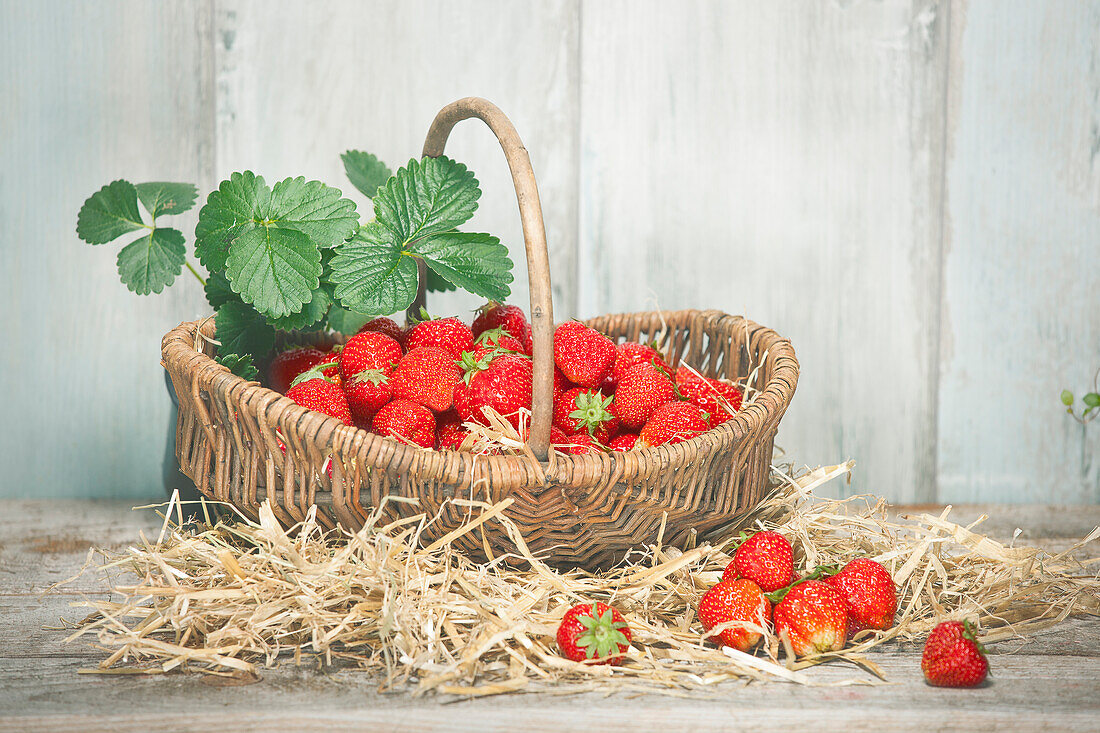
815, 614
421, 384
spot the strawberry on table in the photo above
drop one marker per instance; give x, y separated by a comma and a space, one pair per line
814, 616
739, 600
594, 631
426, 375
386, 326
405, 419
449, 334
871, 594
766, 558
642, 390
672, 422
953, 657
312, 389
584, 355
583, 410
370, 351
289, 364
509, 318
721, 400
503, 384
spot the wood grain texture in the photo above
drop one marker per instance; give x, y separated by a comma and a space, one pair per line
779, 160
297, 87
92, 92
1021, 312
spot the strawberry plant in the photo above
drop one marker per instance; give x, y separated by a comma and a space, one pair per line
294, 255
1091, 402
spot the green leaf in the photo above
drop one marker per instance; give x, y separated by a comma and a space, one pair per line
312, 313
313, 209
230, 212
150, 264
1067, 397
276, 270
241, 365
1091, 399
365, 171
218, 291
109, 213
437, 283
241, 330
372, 274
475, 262
427, 197
167, 198
344, 321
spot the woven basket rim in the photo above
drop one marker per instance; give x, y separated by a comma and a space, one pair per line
178, 348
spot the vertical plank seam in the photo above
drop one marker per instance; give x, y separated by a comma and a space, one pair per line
578, 224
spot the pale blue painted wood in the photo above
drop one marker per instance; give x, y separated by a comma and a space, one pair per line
1021, 314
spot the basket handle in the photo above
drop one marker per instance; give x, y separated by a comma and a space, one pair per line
534, 236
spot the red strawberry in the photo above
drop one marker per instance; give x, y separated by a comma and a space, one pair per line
330, 368
719, 399
371, 351
594, 631
629, 354
510, 318
367, 392
623, 442
640, 392
953, 657
408, 420
735, 600
579, 444
673, 422
311, 389
449, 334
426, 375
765, 558
558, 439
449, 434
289, 364
871, 594
504, 384
385, 326
815, 617
584, 355
499, 339
583, 410
561, 384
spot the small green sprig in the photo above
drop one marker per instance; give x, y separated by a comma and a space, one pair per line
1090, 402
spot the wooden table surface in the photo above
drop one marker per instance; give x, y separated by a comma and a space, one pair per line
1051, 681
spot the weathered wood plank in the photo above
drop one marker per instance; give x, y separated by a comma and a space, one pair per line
92, 92
782, 161
296, 88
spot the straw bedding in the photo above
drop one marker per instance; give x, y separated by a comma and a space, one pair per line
233, 597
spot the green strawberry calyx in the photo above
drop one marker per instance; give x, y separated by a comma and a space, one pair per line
374, 376
591, 411
471, 365
602, 636
492, 336
970, 633
317, 371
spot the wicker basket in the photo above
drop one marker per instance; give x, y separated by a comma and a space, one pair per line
586, 510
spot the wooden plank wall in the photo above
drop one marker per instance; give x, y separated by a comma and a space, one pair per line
908, 189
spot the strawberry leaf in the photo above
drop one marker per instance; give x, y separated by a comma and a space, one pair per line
276, 270
218, 290
342, 320
475, 262
372, 274
242, 330
312, 313
151, 263
167, 198
230, 212
426, 197
109, 213
366, 172
315, 210
437, 283
241, 365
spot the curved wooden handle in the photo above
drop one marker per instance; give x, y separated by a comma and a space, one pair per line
534, 236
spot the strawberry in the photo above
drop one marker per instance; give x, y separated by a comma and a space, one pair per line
367, 392
498, 338
583, 410
330, 368
408, 420
953, 657
449, 334
313, 390
289, 364
629, 354
673, 422
504, 384
449, 433
369, 351
815, 617
640, 392
593, 631
584, 355
735, 600
765, 558
386, 326
579, 444
623, 442
558, 439
871, 594
719, 399
509, 318
426, 375
561, 384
